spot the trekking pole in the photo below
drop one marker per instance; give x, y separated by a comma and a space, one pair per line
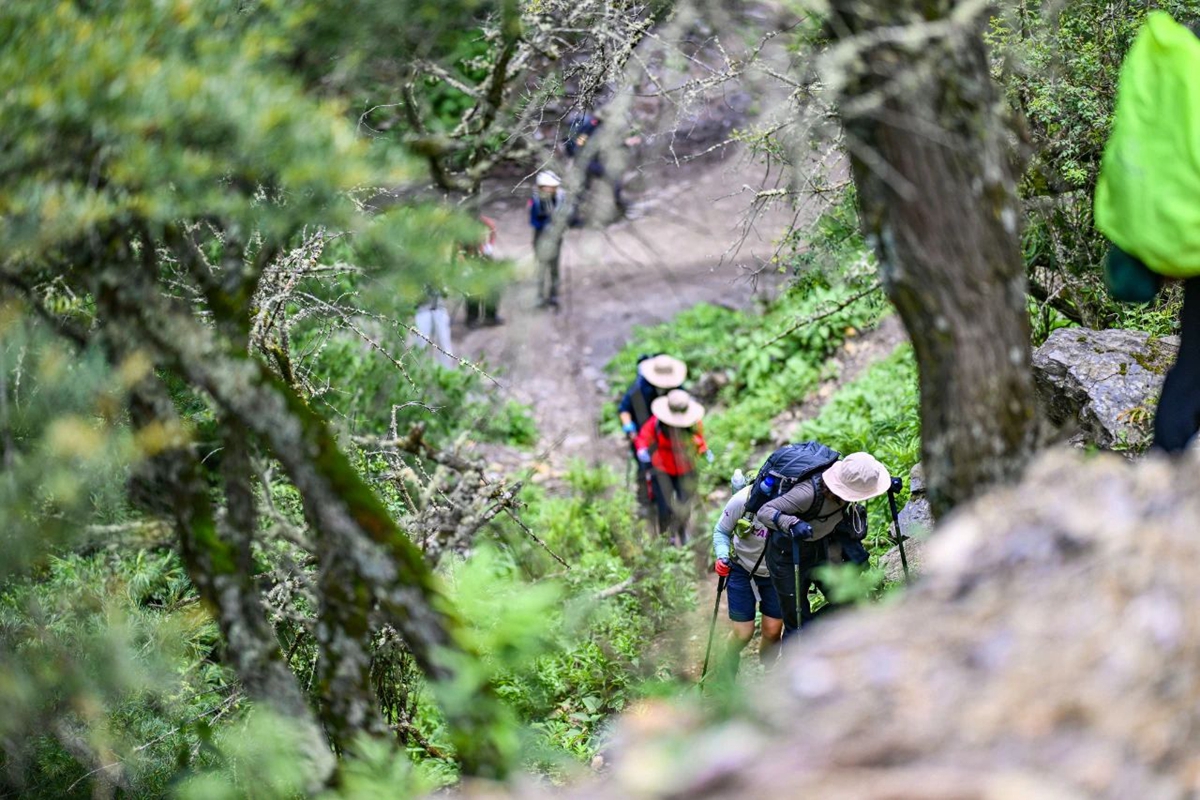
796, 571
896, 486
712, 626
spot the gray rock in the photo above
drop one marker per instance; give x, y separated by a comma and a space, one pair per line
916, 479
1105, 383
709, 385
893, 566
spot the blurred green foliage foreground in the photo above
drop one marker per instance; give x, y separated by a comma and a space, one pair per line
182, 239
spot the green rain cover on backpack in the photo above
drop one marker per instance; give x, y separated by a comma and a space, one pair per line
1148, 193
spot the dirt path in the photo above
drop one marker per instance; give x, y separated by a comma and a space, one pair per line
693, 240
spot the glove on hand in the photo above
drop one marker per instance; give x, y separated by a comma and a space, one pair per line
722, 567
708, 455
629, 428
643, 456
800, 530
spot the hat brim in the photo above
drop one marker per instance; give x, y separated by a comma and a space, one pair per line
663, 380
661, 409
833, 480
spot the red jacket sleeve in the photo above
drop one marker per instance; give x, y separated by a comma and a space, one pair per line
645, 436
698, 438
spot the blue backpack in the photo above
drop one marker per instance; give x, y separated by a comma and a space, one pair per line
786, 467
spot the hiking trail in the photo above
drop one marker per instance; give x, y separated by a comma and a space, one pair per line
692, 239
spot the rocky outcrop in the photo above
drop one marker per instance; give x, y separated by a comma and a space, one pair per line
1051, 650
916, 523
1103, 383
708, 386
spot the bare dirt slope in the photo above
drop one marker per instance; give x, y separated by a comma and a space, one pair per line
693, 239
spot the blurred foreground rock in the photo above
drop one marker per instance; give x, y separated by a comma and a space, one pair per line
1104, 383
1051, 650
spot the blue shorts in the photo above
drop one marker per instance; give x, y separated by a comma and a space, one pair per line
740, 590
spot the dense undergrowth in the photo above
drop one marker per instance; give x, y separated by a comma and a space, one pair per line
106, 630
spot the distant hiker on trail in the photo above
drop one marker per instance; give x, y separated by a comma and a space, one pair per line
482, 308
739, 545
815, 521
657, 374
668, 443
432, 325
548, 198
582, 128
1148, 200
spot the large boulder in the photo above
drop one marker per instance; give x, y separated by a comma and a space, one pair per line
1103, 383
1051, 650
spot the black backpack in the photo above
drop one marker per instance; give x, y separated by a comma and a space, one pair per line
788, 466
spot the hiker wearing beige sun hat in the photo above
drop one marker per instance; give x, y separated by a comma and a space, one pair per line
668, 443
547, 201
657, 374
818, 521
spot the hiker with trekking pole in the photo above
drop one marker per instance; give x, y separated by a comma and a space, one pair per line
808, 497
668, 444
657, 374
740, 546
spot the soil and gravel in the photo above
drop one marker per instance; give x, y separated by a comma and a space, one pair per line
693, 238
679, 251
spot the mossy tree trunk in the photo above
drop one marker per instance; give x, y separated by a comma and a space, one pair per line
369, 572
937, 199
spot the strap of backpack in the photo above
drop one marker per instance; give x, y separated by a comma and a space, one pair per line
817, 495
761, 555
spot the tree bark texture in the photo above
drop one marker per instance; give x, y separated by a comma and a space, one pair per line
937, 200
219, 562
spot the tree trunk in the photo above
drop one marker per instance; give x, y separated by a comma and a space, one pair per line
937, 200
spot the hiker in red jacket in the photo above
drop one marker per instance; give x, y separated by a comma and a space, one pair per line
668, 442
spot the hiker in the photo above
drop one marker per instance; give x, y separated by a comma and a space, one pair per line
1148, 201
657, 375
740, 547
816, 522
432, 326
548, 198
482, 308
582, 128
667, 443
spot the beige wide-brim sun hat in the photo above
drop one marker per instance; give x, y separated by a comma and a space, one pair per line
548, 180
858, 476
677, 409
663, 372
